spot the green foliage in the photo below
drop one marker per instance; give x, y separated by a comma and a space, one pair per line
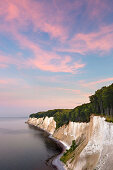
109, 119
66, 156
73, 146
61, 116
81, 113
101, 103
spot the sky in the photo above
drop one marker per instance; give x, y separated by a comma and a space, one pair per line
53, 53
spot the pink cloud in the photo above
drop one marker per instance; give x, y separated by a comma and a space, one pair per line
100, 41
13, 12
38, 14
51, 18
69, 90
91, 84
44, 60
3, 65
14, 100
5, 61
98, 9
11, 82
47, 61
17, 95
55, 79
62, 65
3, 82
41, 104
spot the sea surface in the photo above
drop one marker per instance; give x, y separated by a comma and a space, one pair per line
24, 147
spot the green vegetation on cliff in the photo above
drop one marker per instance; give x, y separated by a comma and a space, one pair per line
75, 150
61, 116
101, 103
69, 153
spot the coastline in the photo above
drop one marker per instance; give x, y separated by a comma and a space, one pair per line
55, 160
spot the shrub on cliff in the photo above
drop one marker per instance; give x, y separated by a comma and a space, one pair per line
66, 156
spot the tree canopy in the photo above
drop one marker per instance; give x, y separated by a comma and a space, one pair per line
101, 103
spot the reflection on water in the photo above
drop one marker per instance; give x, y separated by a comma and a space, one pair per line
24, 147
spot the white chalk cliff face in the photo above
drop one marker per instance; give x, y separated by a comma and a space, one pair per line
47, 124
96, 148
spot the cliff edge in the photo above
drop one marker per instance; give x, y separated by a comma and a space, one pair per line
94, 142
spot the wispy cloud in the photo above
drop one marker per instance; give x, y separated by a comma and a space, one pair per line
98, 10
17, 16
7, 60
36, 13
69, 90
97, 42
93, 83
13, 83
44, 60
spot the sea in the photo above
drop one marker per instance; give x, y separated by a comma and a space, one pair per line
24, 147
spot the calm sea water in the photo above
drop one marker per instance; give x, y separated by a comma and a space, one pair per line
23, 147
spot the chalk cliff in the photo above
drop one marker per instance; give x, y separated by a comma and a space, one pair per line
95, 141
47, 124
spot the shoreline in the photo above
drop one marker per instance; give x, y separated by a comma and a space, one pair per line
55, 159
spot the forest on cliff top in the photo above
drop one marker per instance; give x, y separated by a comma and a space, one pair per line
101, 103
